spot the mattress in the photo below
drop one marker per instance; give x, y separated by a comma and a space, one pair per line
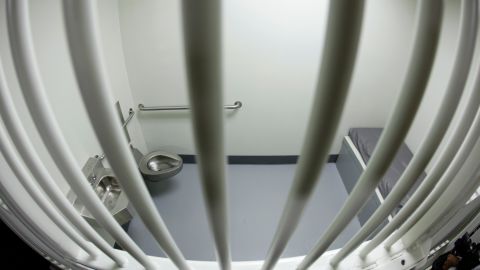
365, 140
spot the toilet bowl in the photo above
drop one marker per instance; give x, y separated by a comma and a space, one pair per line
159, 165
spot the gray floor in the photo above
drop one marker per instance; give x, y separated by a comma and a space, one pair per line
257, 196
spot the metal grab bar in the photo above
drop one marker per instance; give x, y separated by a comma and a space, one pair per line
131, 113
236, 105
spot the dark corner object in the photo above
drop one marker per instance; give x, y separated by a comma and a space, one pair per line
17, 254
258, 159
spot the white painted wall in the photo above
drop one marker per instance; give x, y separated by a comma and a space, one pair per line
59, 80
271, 56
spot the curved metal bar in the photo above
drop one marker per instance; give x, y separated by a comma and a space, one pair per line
421, 61
236, 105
20, 171
447, 180
460, 202
84, 43
44, 119
23, 232
470, 221
459, 190
52, 247
26, 150
338, 59
202, 39
435, 175
450, 101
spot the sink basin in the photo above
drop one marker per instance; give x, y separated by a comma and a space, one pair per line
108, 190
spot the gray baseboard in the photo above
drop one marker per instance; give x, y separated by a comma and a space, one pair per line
259, 159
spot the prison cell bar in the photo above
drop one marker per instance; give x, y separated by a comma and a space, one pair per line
427, 34
26, 150
44, 119
21, 172
14, 223
435, 135
287, 240
453, 182
338, 58
438, 169
18, 225
455, 206
88, 61
460, 202
56, 249
445, 181
202, 40
458, 191
471, 220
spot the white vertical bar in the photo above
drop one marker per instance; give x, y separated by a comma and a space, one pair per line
455, 88
424, 48
453, 196
22, 217
21, 172
445, 182
29, 154
456, 205
462, 228
203, 49
84, 42
453, 145
47, 126
338, 59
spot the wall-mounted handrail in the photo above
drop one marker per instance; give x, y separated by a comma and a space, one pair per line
236, 105
131, 113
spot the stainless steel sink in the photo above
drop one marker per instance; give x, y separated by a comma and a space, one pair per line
108, 190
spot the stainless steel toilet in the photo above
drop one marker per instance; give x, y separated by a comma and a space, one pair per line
158, 165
